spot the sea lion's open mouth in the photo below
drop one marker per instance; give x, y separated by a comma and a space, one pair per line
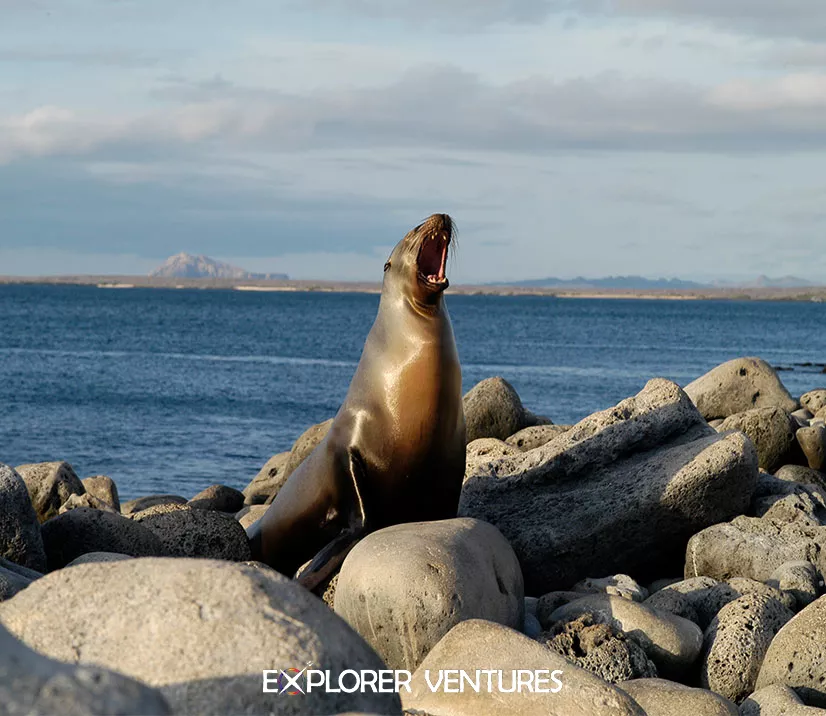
432, 261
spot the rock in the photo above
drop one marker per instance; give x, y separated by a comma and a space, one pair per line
185, 532
20, 539
86, 500
536, 436
268, 481
531, 420
201, 631
95, 557
251, 514
802, 417
738, 385
753, 547
493, 409
620, 585
812, 441
797, 655
548, 603
770, 429
104, 488
404, 587
799, 579
476, 644
814, 400
49, 485
801, 474
622, 491
803, 507
531, 626
34, 685
143, 503
776, 701
531, 604
599, 648
659, 697
14, 578
83, 530
662, 583
671, 642
736, 642
219, 498
483, 450
302, 447
670, 600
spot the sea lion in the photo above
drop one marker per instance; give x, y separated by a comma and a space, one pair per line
396, 449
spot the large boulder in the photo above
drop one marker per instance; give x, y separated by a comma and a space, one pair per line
301, 449
736, 642
671, 642
797, 655
480, 645
770, 429
777, 701
404, 587
738, 385
667, 698
801, 474
49, 485
201, 631
103, 488
20, 539
493, 409
187, 532
753, 547
622, 491
535, 436
268, 481
798, 579
83, 530
219, 498
34, 685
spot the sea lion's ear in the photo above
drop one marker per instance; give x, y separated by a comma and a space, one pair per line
386, 266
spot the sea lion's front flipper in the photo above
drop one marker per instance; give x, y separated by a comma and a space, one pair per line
327, 561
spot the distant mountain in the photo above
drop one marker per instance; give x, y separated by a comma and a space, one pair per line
188, 266
628, 282
768, 282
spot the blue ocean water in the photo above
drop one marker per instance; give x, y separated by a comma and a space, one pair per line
173, 390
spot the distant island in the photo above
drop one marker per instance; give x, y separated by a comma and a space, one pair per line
185, 265
639, 283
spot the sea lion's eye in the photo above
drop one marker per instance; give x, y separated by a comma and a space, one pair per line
387, 266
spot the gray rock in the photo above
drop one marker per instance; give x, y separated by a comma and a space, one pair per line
302, 447
770, 429
622, 491
185, 532
753, 547
814, 400
671, 642
776, 701
736, 642
670, 600
812, 441
251, 514
268, 481
799, 579
802, 417
104, 488
404, 587
620, 585
83, 530
86, 500
33, 685
599, 648
801, 474
12, 581
659, 697
143, 503
483, 450
804, 507
797, 655
531, 604
738, 385
536, 436
219, 498
548, 603
201, 631
20, 539
662, 583
49, 485
531, 626
476, 644
493, 409
95, 557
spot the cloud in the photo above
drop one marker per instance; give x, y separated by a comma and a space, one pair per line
122, 59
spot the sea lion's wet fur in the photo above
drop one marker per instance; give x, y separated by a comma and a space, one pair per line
396, 449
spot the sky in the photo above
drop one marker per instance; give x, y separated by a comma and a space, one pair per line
673, 138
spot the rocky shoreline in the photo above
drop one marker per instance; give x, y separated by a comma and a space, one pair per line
666, 556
